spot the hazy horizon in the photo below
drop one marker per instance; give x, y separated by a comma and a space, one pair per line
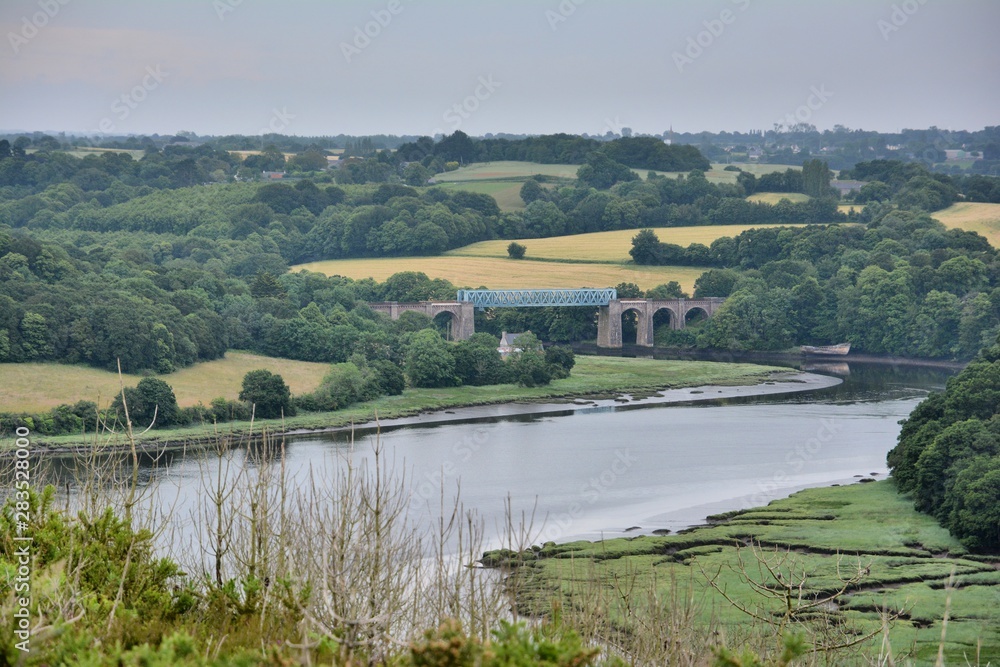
217, 67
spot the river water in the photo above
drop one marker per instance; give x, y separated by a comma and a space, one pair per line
607, 468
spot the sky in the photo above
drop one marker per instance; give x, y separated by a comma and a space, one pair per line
326, 67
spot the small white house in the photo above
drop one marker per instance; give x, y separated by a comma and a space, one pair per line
508, 344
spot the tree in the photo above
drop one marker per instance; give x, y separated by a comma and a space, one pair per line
602, 172
265, 284
670, 290
816, 178
561, 360
150, 403
35, 333
516, 250
429, 362
416, 174
646, 248
268, 393
531, 191
528, 366
478, 362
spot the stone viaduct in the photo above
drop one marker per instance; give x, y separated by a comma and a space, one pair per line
609, 318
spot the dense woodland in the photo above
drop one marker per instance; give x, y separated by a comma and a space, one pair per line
948, 456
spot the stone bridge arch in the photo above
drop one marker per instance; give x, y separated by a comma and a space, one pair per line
609, 318
463, 323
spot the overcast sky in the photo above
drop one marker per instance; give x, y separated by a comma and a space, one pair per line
426, 66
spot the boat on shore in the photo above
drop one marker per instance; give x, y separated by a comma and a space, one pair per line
827, 350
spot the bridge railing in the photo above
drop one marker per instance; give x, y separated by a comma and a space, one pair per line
537, 298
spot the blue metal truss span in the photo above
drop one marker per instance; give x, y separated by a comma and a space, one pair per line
537, 298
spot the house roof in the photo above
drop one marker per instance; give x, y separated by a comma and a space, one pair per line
509, 338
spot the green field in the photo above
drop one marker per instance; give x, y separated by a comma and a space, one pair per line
973, 217
35, 387
502, 180
816, 538
506, 193
492, 171
602, 246
497, 273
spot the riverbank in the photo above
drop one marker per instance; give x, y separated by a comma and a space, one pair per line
863, 538
611, 379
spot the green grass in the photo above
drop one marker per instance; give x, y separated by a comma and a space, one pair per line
591, 375
35, 387
497, 273
823, 532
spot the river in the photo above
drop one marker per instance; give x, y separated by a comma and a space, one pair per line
607, 469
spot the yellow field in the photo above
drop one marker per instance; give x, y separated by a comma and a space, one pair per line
601, 246
497, 273
981, 218
40, 387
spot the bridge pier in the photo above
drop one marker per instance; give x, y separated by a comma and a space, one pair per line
609, 325
609, 318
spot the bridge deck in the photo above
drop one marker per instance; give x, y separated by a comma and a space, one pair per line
537, 298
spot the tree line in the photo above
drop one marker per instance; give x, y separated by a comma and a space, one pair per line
948, 454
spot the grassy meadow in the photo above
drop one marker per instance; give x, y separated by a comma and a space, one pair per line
974, 217
37, 387
497, 273
602, 246
868, 534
